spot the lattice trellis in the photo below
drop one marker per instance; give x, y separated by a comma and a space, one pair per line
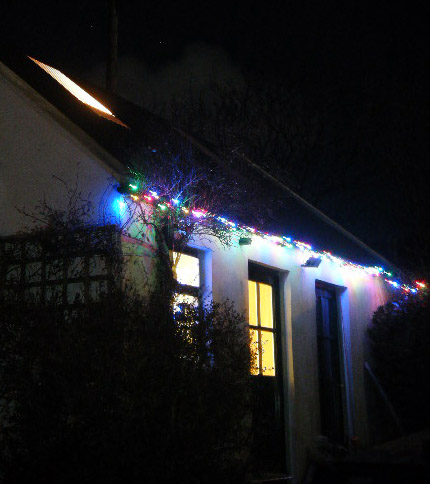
60, 269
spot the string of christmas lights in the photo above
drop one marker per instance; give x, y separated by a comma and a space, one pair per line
154, 199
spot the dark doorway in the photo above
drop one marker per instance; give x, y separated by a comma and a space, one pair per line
329, 363
267, 397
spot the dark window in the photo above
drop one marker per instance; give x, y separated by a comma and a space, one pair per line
329, 364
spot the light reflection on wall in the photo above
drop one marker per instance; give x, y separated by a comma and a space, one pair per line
285, 258
119, 207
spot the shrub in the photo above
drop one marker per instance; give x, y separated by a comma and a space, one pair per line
116, 391
400, 340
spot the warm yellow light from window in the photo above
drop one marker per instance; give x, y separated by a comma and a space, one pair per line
268, 353
187, 269
252, 287
72, 87
266, 306
255, 369
262, 338
180, 299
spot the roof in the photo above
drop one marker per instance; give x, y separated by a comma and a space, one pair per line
139, 129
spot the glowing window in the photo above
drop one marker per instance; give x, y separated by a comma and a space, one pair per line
181, 300
78, 92
187, 269
262, 327
266, 305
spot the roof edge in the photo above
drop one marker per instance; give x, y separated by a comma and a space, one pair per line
101, 154
321, 215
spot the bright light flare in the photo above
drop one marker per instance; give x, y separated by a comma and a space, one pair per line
72, 87
198, 213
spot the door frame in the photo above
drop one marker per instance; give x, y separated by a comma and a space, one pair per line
284, 358
345, 360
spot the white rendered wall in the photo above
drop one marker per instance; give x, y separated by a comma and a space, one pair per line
359, 295
36, 144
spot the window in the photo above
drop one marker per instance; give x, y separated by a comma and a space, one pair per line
78, 92
186, 269
329, 364
261, 325
264, 286
181, 299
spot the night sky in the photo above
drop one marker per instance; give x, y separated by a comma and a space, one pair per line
360, 67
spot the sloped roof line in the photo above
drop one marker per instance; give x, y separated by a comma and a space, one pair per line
317, 212
321, 215
72, 87
79, 93
105, 134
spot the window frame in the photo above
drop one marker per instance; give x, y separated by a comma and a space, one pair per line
331, 329
187, 289
262, 275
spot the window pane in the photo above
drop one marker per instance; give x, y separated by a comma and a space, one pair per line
268, 353
187, 270
181, 299
254, 351
252, 288
266, 305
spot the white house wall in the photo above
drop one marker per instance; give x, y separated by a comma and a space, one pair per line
36, 144
359, 295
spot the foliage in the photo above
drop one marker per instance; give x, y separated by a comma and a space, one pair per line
115, 391
121, 388
173, 173
45, 218
269, 122
178, 176
400, 340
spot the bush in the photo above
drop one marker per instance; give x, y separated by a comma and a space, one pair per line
118, 392
400, 341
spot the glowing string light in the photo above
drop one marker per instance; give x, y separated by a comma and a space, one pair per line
283, 241
198, 213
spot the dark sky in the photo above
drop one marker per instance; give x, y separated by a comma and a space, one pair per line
361, 67
330, 36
